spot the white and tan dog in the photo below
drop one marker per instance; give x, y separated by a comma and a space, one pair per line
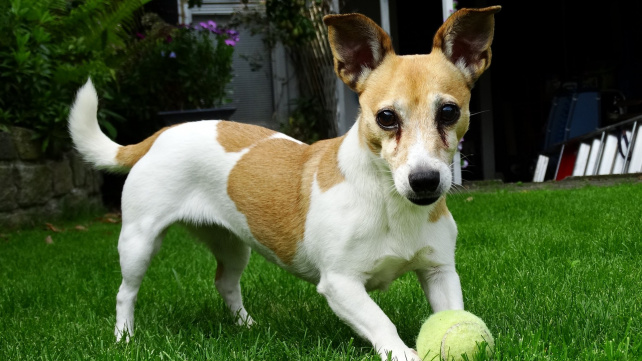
349, 214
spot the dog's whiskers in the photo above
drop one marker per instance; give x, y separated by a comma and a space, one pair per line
480, 112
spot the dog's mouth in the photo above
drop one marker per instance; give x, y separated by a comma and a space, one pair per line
423, 201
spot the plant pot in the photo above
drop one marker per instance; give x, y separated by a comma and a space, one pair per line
181, 116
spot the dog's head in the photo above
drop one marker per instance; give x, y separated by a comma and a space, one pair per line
414, 108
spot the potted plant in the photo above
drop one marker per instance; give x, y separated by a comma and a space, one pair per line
176, 73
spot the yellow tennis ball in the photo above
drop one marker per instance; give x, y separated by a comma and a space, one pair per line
447, 335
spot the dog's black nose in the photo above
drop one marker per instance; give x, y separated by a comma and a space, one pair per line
424, 180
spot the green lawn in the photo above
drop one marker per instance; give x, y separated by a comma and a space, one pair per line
556, 275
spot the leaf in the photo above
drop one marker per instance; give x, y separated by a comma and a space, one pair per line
49, 240
53, 228
110, 218
110, 129
81, 228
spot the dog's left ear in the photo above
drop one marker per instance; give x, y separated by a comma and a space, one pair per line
465, 38
358, 45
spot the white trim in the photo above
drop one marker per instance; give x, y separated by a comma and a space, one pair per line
582, 160
635, 165
222, 7
608, 155
385, 15
184, 12
457, 168
591, 166
540, 170
447, 8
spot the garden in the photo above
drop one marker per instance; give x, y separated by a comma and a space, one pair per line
143, 68
554, 273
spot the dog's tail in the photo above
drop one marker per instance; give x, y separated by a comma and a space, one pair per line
96, 147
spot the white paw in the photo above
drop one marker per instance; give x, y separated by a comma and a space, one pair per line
406, 354
247, 321
121, 335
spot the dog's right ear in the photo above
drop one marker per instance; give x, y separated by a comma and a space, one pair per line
358, 45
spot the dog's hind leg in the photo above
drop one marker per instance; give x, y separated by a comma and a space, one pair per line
136, 246
232, 256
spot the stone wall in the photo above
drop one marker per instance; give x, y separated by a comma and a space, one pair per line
35, 188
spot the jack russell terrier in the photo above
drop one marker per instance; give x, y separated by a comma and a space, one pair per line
349, 214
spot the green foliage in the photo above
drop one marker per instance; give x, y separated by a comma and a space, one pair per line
171, 67
283, 21
48, 48
306, 120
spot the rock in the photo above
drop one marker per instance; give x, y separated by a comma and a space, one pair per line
35, 184
79, 168
8, 189
26, 147
7, 148
61, 176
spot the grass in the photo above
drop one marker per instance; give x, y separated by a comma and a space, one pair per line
556, 275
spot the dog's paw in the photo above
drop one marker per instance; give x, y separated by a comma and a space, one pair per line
406, 354
121, 335
247, 321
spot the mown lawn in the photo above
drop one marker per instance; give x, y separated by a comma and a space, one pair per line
556, 275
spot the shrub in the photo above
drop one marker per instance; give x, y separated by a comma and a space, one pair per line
170, 67
48, 48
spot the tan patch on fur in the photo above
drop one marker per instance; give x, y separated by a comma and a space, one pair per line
266, 186
130, 154
235, 137
439, 211
329, 174
271, 186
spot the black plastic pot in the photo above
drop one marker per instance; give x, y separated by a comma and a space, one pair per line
181, 116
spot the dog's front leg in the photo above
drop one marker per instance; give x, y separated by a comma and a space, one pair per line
442, 287
350, 301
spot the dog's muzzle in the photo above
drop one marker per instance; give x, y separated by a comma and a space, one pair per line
425, 185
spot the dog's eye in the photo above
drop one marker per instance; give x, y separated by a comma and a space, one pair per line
387, 120
448, 114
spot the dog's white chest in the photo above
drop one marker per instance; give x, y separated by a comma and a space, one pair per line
388, 268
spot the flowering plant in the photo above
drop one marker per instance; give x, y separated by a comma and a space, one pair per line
172, 68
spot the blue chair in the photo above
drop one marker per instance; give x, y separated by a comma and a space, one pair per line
573, 113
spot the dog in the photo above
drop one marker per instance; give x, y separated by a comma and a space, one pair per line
349, 214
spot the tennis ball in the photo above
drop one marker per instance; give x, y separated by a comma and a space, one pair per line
447, 335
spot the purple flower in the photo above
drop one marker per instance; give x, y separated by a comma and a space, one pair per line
209, 25
171, 55
233, 34
140, 36
230, 42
